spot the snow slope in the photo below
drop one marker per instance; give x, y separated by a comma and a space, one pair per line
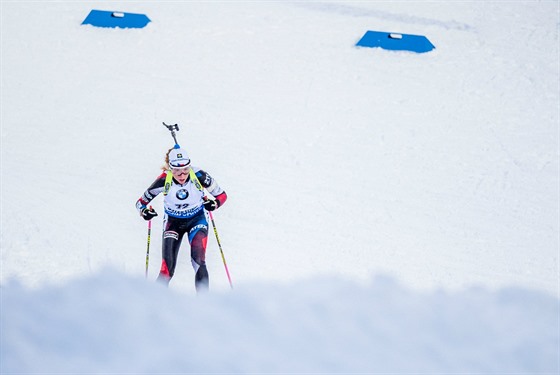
323, 325
439, 170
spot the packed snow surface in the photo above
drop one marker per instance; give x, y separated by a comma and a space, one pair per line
388, 212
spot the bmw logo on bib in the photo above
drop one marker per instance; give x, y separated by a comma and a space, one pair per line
182, 194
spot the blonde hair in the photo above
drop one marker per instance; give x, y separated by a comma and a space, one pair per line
166, 166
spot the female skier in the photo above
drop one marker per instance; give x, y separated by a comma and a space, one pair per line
184, 204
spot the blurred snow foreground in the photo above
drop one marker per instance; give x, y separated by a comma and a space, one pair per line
119, 324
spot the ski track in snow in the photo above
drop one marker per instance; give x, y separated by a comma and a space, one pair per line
403, 19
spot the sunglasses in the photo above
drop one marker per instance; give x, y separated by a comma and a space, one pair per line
180, 171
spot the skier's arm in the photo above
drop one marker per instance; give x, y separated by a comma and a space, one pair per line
151, 193
222, 197
210, 184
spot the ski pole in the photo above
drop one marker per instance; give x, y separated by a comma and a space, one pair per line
148, 245
220, 246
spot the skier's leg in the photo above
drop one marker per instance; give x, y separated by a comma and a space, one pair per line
198, 239
170, 249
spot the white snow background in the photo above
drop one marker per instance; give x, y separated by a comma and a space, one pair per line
388, 212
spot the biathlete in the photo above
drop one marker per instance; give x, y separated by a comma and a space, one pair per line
184, 205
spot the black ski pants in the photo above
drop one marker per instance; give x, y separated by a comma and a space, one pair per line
196, 229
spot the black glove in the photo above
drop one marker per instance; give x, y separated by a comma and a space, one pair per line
211, 205
148, 213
